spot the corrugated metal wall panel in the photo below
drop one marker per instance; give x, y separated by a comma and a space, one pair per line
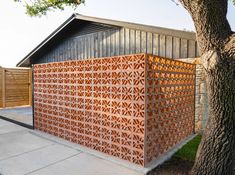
111, 41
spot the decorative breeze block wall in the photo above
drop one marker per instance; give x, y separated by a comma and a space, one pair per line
201, 99
133, 107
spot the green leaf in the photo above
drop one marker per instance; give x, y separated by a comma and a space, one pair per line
41, 7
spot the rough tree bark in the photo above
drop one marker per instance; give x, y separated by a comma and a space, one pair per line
216, 154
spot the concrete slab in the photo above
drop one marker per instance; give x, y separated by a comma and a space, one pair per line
17, 143
85, 164
11, 128
24, 152
20, 114
92, 152
4, 123
35, 160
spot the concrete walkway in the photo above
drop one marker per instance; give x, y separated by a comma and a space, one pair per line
20, 114
27, 152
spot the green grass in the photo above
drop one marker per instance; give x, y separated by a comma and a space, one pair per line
188, 151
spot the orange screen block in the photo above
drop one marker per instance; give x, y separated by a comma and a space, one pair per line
133, 107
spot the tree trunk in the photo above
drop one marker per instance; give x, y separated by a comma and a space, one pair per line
217, 149
216, 154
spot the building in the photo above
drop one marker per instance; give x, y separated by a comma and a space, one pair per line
111, 104
82, 37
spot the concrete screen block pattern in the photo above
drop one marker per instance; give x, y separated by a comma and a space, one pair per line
134, 107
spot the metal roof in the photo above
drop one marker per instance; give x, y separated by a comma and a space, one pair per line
78, 17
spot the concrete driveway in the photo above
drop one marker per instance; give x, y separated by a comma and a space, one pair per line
19, 114
27, 152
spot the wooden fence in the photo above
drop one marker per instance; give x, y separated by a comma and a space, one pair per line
15, 87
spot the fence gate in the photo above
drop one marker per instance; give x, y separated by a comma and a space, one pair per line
15, 87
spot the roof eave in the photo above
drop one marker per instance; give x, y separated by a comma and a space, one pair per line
61, 27
146, 28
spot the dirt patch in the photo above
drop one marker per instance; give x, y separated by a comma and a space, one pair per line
173, 167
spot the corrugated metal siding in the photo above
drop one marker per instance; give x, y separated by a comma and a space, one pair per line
97, 40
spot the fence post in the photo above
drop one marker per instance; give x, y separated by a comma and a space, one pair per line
3, 88
30, 87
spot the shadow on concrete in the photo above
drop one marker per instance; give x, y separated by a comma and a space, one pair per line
19, 115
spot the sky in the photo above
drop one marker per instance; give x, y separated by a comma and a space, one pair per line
19, 33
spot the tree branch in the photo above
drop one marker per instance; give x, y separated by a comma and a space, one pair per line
186, 4
41, 7
210, 21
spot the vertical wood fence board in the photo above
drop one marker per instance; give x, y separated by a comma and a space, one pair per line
162, 51
169, 47
3, 88
176, 47
143, 42
30, 87
138, 41
127, 42
15, 87
155, 44
117, 42
184, 48
132, 42
1, 104
149, 43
